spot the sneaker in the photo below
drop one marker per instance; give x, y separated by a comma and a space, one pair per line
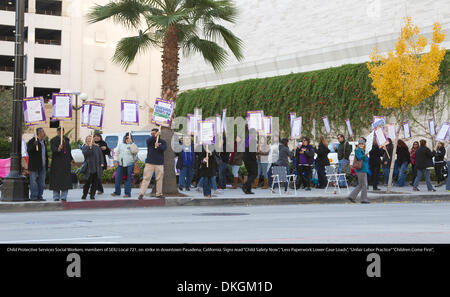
180, 188
416, 189
140, 197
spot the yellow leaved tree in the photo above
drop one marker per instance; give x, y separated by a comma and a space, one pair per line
407, 76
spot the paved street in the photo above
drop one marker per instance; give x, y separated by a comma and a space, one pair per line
342, 223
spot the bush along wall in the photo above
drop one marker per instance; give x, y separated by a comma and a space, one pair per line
340, 93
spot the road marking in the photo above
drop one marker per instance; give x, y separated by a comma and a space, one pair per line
61, 239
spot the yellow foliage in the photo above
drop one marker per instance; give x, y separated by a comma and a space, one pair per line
405, 77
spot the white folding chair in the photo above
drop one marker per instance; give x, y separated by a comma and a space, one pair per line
333, 176
279, 175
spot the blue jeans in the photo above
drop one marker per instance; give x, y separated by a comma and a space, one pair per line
213, 182
37, 184
341, 164
402, 174
60, 195
207, 182
223, 171
262, 169
186, 175
447, 185
118, 179
387, 170
420, 173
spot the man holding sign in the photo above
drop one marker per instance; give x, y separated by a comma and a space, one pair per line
61, 168
154, 163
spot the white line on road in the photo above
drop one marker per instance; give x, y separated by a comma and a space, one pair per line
60, 239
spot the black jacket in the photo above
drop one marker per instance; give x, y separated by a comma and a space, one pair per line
212, 165
105, 152
35, 156
386, 158
403, 155
61, 167
424, 158
439, 155
375, 156
322, 155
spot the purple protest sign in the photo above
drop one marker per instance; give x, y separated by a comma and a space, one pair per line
96, 111
62, 106
162, 113
129, 111
34, 111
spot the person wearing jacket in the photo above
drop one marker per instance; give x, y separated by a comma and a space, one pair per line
284, 153
106, 152
424, 160
236, 161
413, 160
124, 158
403, 159
322, 161
375, 156
361, 174
223, 166
185, 164
61, 167
263, 162
447, 184
250, 161
439, 155
304, 156
343, 151
93, 159
154, 163
273, 155
207, 169
387, 159
37, 164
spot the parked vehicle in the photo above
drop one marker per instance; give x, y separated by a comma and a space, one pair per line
112, 140
333, 157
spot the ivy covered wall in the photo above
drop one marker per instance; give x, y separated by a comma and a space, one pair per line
340, 93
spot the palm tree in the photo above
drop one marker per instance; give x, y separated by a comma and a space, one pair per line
194, 26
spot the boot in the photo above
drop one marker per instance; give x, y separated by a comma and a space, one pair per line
235, 180
255, 183
266, 184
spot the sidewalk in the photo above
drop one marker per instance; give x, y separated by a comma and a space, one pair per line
229, 197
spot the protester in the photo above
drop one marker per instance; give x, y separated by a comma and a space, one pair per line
322, 161
304, 156
413, 160
403, 159
361, 174
439, 154
387, 159
343, 151
424, 160
223, 166
207, 169
124, 159
250, 161
106, 152
185, 163
273, 155
263, 162
93, 170
37, 164
236, 162
447, 185
154, 163
284, 153
375, 156
61, 167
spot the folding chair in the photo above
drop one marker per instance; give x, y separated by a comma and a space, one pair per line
279, 175
333, 176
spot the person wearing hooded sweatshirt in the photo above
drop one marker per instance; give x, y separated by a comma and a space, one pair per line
304, 156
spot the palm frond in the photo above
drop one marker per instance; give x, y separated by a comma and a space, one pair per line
211, 51
125, 12
213, 31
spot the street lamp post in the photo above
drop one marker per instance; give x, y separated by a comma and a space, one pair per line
15, 187
83, 97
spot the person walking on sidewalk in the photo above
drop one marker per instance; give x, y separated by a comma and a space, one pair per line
61, 167
124, 159
361, 174
154, 163
424, 161
439, 155
37, 164
250, 161
106, 152
93, 167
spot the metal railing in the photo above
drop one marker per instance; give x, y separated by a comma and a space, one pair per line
47, 71
7, 68
48, 12
48, 41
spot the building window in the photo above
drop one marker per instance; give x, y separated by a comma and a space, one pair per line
7, 63
10, 5
8, 33
45, 92
48, 7
47, 66
45, 36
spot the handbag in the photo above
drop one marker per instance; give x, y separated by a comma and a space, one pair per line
357, 164
136, 169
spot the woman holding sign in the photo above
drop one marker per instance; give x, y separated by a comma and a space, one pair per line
361, 157
207, 169
93, 167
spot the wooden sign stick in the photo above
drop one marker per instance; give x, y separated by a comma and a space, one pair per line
62, 135
36, 140
207, 157
157, 137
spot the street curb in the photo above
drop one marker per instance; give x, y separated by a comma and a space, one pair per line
222, 201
